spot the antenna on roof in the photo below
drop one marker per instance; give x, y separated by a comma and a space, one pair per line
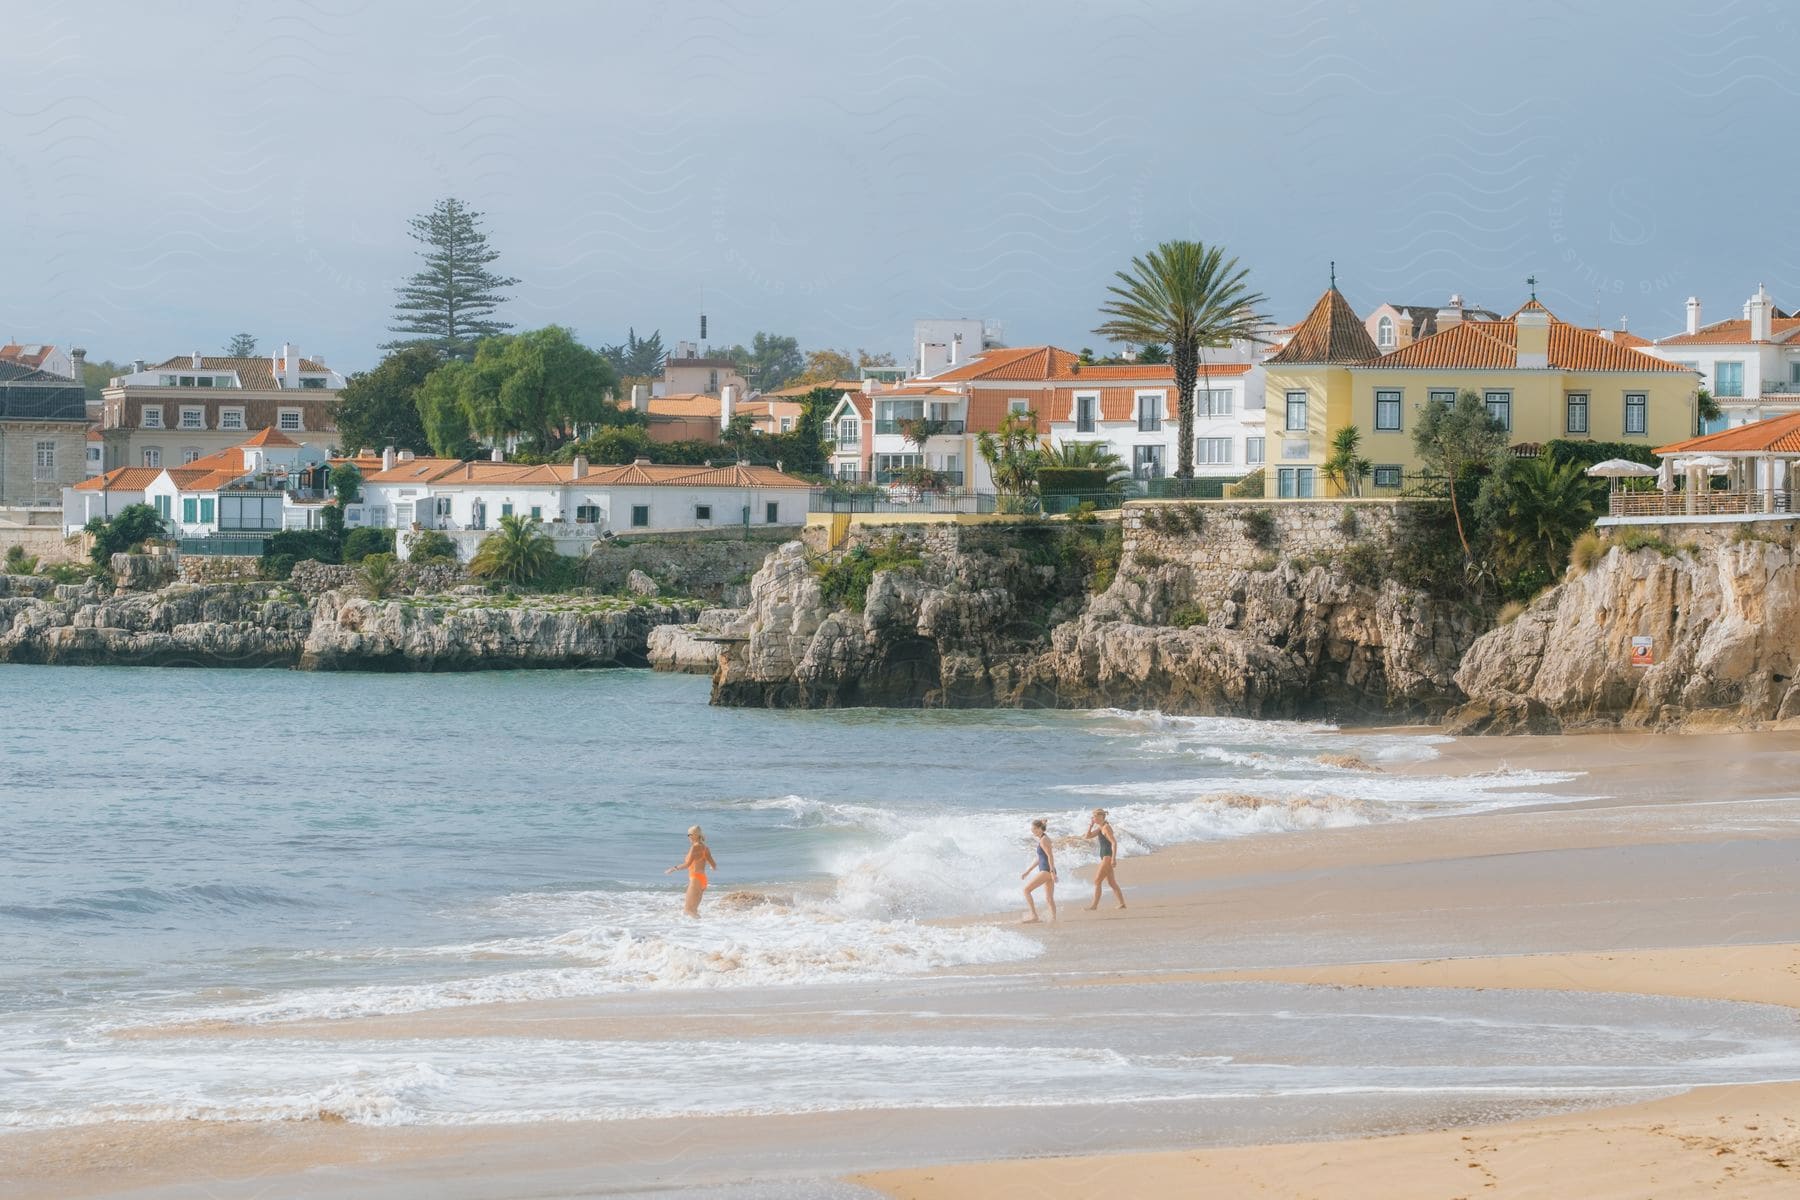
1334, 274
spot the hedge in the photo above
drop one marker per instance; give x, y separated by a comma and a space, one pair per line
1073, 481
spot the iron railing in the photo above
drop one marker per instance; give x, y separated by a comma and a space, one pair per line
946, 428
897, 475
224, 543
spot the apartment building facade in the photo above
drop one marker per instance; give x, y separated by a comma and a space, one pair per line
1750, 364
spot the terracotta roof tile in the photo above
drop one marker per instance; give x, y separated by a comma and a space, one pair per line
1493, 346
1733, 333
121, 479
686, 404
256, 374
1330, 333
1777, 435
798, 390
1017, 363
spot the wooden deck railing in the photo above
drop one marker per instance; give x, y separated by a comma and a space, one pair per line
1702, 503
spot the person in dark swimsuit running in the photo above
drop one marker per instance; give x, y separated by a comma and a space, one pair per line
1042, 872
1100, 827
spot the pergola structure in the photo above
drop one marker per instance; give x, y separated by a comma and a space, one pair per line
1761, 464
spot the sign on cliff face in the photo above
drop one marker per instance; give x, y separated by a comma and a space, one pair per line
1643, 652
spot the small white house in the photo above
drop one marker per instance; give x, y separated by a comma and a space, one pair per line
1133, 409
262, 485
1751, 364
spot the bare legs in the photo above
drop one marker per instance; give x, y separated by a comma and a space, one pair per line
1047, 881
1105, 876
691, 905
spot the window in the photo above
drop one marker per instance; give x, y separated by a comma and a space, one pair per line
640, 516
537, 512
288, 418
1387, 410
1146, 462
1637, 413
1294, 483
1085, 408
231, 418
193, 418
1149, 413
189, 454
313, 382
1728, 379
787, 424
162, 507
1296, 410
165, 381
1794, 372
1444, 396
378, 516
1253, 451
849, 433
152, 456
1387, 477
712, 382
1212, 450
153, 416
587, 514
206, 510
702, 512
43, 462
1384, 333
1017, 405
772, 512
190, 510
1578, 413
1214, 402
506, 509
1499, 406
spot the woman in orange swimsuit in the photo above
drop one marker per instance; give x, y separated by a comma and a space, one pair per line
699, 857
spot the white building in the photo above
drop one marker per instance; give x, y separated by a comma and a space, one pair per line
575, 501
1750, 364
263, 485
1133, 409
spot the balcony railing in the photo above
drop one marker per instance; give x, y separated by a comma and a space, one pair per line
891, 475
1150, 424
948, 428
1698, 503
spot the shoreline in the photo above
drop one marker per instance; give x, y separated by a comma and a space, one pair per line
1617, 894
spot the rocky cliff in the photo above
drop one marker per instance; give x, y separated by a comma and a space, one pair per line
1208, 609
1722, 616
265, 624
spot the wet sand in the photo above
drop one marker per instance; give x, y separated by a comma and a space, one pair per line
1678, 882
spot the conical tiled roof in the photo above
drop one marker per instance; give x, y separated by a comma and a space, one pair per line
1331, 333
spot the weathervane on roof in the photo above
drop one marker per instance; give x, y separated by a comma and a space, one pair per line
1334, 274
1531, 282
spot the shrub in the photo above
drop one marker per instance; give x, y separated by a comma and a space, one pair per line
519, 552
1187, 616
131, 526
1259, 527
1073, 481
1364, 563
275, 566
1587, 550
1250, 487
68, 572
1148, 559
378, 575
1347, 524
845, 582
1265, 563
1084, 513
430, 545
1193, 516
1509, 612
1750, 533
1103, 561
20, 563
1640, 539
360, 543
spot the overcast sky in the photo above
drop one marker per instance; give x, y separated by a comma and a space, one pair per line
174, 174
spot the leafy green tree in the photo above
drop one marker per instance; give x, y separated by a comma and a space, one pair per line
1093, 456
823, 366
519, 552
541, 385
635, 357
1345, 465
131, 526
20, 562
430, 545
1534, 510
380, 407
97, 376
361, 542
770, 362
1012, 453
1192, 297
441, 410
241, 345
1459, 441
346, 483
449, 304
1154, 353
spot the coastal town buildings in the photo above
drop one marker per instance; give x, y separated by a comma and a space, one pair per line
41, 356
942, 343
1541, 377
1749, 363
1397, 326
264, 484
688, 372
184, 408
43, 435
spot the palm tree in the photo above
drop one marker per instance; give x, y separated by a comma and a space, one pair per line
1191, 297
518, 552
1013, 452
1543, 507
1344, 466
1091, 456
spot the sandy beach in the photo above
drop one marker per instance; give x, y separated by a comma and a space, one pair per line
1656, 889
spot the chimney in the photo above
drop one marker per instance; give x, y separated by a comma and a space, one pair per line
387, 458
404, 456
640, 462
1693, 309
1760, 306
640, 397
77, 363
727, 402
1534, 338
868, 386
496, 455
579, 468
1451, 315
290, 365
196, 360
137, 366
955, 345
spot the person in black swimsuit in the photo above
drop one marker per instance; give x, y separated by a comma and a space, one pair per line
1042, 872
1100, 827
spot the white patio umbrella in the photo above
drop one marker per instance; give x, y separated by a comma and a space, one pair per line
1665, 475
1705, 462
1615, 469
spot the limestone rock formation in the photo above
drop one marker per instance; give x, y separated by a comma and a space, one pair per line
692, 649
1724, 629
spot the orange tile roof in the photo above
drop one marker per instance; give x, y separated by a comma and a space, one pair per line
255, 374
796, 391
32, 354
1733, 333
1146, 372
1624, 337
94, 435
414, 470
270, 436
686, 404
1017, 363
121, 479
1493, 346
1776, 435
440, 472
1330, 333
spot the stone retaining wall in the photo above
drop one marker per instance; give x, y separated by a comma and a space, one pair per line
313, 579
711, 567
218, 568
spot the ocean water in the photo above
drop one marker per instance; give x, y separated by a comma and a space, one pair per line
249, 848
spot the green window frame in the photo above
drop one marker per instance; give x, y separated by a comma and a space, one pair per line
206, 510
189, 510
772, 512
1387, 410
640, 516
506, 510
1577, 421
537, 512
1637, 414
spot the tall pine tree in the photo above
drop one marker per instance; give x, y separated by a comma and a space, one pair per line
450, 304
